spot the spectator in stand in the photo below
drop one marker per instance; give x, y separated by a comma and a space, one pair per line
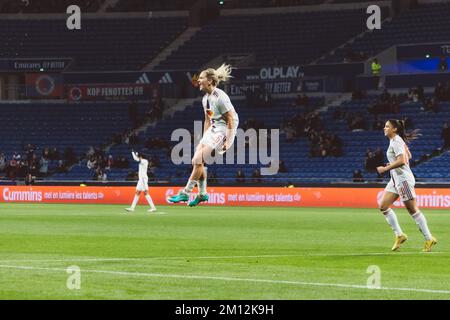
447, 91
377, 124
92, 163
29, 151
2, 162
33, 165
370, 162
256, 176
109, 162
61, 168
54, 154
43, 171
282, 167
421, 93
379, 157
70, 156
431, 105
100, 175
132, 176
445, 135
376, 71
357, 176
395, 104
439, 92
240, 176
336, 146
11, 169
30, 179
443, 64
358, 123
16, 156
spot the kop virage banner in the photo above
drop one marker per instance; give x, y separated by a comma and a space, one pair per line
229, 196
98, 92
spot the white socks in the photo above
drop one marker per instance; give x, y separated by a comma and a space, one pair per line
190, 186
420, 219
391, 218
150, 201
135, 201
422, 223
202, 186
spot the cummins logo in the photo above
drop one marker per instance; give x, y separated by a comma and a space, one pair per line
27, 196
429, 200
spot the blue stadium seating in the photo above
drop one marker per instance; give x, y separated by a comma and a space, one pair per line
429, 23
62, 125
101, 44
290, 38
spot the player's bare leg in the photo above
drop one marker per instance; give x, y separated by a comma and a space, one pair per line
135, 201
197, 172
391, 218
202, 195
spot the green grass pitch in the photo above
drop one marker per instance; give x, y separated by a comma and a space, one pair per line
216, 253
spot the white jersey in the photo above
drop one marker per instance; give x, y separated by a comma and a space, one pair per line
398, 147
216, 105
143, 167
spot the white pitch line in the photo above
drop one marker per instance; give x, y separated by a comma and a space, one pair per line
179, 276
376, 254
228, 257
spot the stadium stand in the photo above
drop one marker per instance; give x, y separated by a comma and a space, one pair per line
48, 6
427, 23
61, 125
158, 5
273, 38
101, 44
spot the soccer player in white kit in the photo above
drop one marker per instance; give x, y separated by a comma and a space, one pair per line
401, 184
221, 122
142, 185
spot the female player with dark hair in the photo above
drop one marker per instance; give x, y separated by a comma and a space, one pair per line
221, 122
402, 183
142, 185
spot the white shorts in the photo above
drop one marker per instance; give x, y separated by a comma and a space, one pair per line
142, 185
405, 189
215, 137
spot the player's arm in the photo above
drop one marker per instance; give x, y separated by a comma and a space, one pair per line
228, 116
399, 161
207, 123
135, 157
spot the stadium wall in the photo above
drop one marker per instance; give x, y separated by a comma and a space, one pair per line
431, 198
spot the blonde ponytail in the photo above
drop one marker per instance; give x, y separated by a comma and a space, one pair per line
221, 74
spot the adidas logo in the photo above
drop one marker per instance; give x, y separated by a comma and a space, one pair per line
143, 79
166, 78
